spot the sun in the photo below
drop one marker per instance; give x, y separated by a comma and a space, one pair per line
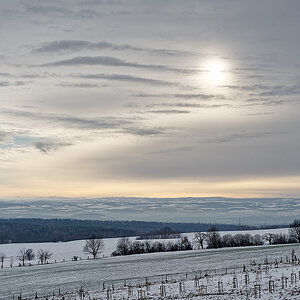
217, 71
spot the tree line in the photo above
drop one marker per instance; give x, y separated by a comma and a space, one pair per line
56, 230
33, 230
212, 238
127, 247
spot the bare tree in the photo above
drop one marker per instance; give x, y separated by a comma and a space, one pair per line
41, 256
30, 254
2, 257
294, 230
213, 239
198, 240
281, 238
227, 240
147, 246
268, 237
123, 246
22, 256
47, 255
257, 240
44, 255
93, 246
184, 243
25, 254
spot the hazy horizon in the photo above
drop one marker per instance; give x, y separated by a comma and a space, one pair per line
251, 211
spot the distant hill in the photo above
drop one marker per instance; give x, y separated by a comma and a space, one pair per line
55, 230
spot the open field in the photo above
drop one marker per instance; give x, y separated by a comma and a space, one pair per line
65, 251
91, 274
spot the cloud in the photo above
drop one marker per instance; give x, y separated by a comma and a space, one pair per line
119, 125
247, 87
5, 74
78, 45
47, 9
49, 146
145, 131
72, 121
266, 90
172, 150
125, 78
198, 96
4, 136
4, 83
261, 113
281, 91
243, 136
80, 85
169, 111
268, 101
14, 83
27, 76
110, 61
183, 105
196, 105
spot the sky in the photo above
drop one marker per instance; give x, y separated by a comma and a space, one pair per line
151, 99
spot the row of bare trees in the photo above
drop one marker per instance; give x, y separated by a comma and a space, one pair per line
127, 247
201, 240
212, 238
27, 254
92, 246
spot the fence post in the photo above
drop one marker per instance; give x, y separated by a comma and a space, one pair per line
271, 286
220, 287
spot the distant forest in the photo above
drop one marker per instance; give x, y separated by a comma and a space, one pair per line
56, 230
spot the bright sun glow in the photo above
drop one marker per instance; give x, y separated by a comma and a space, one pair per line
217, 71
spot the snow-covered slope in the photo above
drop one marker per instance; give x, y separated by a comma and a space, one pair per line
66, 250
134, 269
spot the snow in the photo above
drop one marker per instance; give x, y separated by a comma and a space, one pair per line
270, 282
66, 250
92, 274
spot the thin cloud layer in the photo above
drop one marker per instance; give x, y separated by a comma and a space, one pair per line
112, 62
79, 45
124, 77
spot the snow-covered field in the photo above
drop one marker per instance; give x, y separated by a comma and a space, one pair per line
65, 251
269, 282
133, 270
